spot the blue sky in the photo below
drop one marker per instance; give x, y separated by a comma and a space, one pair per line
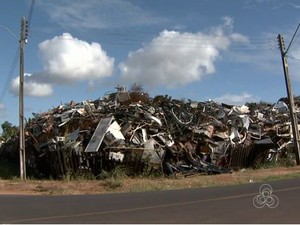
224, 50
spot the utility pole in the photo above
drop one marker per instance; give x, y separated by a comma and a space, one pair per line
293, 114
23, 40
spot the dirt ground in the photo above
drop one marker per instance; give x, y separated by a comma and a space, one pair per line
63, 187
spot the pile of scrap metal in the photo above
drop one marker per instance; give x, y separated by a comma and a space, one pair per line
157, 134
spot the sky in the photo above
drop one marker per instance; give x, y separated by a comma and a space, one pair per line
221, 50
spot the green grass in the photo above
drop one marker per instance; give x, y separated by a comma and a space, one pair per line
281, 177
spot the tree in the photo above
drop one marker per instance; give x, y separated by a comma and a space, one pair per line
8, 131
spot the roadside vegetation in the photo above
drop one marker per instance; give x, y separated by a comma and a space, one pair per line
117, 181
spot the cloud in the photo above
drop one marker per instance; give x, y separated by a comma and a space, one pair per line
294, 5
239, 99
95, 14
271, 4
2, 110
31, 87
66, 60
174, 59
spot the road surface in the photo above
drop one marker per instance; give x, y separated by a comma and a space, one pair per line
230, 204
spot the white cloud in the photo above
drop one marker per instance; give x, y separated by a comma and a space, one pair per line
95, 14
260, 52
2, 110
66, 60
31, 87
228, 21
173, 58
239, 99
294, 5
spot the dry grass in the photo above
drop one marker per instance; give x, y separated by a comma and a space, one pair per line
49, 187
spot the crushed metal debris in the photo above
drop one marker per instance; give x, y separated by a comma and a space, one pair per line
162, 134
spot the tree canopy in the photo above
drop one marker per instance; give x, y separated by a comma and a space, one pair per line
8, 130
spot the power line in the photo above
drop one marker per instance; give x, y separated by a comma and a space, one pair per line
295, 58
6, 28
30, 14
15, 61
292, 39
10, 74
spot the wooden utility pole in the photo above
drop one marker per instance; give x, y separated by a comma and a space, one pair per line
293, 114
23, 40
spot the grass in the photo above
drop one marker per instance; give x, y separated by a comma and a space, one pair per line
113, 183
118, 181
285, 176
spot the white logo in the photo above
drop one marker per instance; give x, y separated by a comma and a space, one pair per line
265, 197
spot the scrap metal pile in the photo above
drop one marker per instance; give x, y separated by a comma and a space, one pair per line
155, 134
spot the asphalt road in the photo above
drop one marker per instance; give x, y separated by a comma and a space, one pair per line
231, 204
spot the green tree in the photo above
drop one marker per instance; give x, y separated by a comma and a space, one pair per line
8, 130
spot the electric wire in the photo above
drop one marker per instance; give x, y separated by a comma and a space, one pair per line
10, 75
30, 15
197, 41
291, 42
15, 61
258, 43
295, 58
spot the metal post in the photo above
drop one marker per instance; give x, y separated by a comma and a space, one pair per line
21, 102
293, 115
